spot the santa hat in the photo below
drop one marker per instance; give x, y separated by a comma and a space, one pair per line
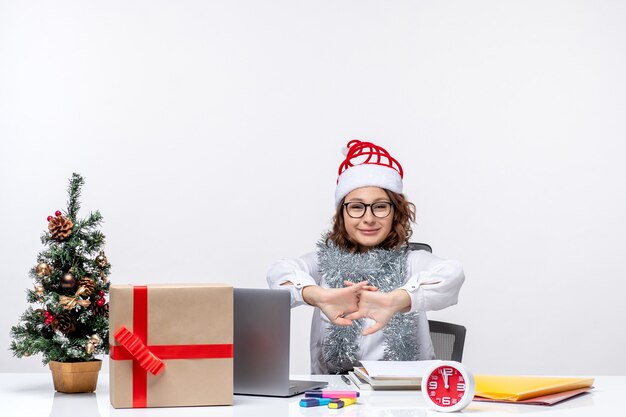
367, 165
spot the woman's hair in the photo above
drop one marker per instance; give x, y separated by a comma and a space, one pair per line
403, 216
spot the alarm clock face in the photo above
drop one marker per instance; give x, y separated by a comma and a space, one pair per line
448, 386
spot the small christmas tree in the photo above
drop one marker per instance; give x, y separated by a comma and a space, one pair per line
70, 289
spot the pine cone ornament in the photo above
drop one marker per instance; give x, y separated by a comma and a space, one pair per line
100, 310
89, 285
60, 228
65, 323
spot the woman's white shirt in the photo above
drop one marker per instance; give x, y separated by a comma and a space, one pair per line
432, 283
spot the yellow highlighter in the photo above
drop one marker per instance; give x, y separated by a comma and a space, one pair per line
341, 402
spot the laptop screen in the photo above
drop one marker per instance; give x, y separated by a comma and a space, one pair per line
261, 341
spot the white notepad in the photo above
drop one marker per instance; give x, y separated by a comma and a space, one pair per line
397, 369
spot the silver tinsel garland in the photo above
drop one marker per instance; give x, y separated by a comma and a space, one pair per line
383, 268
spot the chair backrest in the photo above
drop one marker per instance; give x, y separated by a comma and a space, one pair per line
448, 340
420, 246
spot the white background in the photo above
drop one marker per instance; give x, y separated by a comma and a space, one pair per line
209, 134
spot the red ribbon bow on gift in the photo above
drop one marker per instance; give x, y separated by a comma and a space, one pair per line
133, 344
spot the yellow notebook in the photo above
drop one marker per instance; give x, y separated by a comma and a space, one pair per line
516, 388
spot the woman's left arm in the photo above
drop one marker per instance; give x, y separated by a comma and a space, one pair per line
433, 283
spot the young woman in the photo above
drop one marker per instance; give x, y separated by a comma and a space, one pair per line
370, 290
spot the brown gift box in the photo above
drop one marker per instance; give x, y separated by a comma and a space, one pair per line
172, 321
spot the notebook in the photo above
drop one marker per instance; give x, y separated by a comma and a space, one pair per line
397, 369
549, 399
384, 383
261, 344
519, 388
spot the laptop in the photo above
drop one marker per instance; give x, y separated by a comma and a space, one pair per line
261, 344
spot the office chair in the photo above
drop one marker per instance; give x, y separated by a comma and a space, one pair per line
448, 338
420, 246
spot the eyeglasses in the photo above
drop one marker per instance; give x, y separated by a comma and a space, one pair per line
380, 209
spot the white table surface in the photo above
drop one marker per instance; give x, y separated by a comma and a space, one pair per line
32, 394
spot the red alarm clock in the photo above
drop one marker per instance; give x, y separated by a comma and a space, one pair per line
448, 386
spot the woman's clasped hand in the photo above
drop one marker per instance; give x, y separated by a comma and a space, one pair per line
356, 301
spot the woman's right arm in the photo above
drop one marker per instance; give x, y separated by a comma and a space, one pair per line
294, 275
301, 277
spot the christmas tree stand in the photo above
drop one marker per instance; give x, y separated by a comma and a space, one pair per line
74, 377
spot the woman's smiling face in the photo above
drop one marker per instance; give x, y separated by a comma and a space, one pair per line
368, 231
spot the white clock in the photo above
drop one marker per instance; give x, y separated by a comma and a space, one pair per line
448, 386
